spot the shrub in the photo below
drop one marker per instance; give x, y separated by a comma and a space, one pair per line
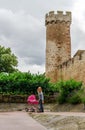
75, 99
24, 83
67, 89
82, 94
61, 99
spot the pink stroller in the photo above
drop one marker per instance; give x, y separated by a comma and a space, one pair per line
32, 103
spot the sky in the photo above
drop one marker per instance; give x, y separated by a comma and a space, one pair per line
22, 28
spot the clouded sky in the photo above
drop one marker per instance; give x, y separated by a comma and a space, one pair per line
22, 29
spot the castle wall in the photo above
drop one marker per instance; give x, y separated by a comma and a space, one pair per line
73, 69
59, 64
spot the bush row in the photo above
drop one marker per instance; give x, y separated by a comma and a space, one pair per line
23, 83
19, 83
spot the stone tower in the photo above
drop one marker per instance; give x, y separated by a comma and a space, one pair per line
58, 41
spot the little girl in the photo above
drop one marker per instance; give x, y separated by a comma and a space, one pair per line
41, 99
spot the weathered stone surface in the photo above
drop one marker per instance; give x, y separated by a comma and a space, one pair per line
73, 69
13, 98
58, 48
59, 64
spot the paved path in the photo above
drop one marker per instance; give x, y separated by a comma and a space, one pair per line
22, 121
18, 121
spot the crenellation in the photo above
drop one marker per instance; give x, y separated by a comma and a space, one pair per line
68, 13
71, 62
51, 13
60, 13
53, 17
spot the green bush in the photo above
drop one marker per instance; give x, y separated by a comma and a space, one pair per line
61, 99
82, 94
23, 83
75, 99
67, 89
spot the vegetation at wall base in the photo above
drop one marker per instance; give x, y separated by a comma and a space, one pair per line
25, 83
68, 91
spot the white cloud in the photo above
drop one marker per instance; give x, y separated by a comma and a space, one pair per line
79, 13
32, 68
78, 26
24, 34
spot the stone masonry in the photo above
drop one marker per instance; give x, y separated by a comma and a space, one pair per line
74, 68
59, 64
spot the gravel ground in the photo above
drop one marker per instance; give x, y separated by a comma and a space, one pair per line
61, 120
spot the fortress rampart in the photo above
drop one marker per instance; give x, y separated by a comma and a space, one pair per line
74, 68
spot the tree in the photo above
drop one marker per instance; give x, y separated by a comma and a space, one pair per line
8, 61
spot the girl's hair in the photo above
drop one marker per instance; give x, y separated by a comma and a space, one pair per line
39, 88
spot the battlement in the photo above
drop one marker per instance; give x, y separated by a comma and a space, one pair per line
78, 57
59, 16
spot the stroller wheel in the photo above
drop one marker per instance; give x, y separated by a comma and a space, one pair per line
32, 110
26, 109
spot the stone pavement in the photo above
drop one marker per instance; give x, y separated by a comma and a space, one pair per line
18, 121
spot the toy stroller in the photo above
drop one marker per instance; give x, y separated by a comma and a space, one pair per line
32, 103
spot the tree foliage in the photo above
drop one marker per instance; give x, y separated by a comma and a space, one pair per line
8, 61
